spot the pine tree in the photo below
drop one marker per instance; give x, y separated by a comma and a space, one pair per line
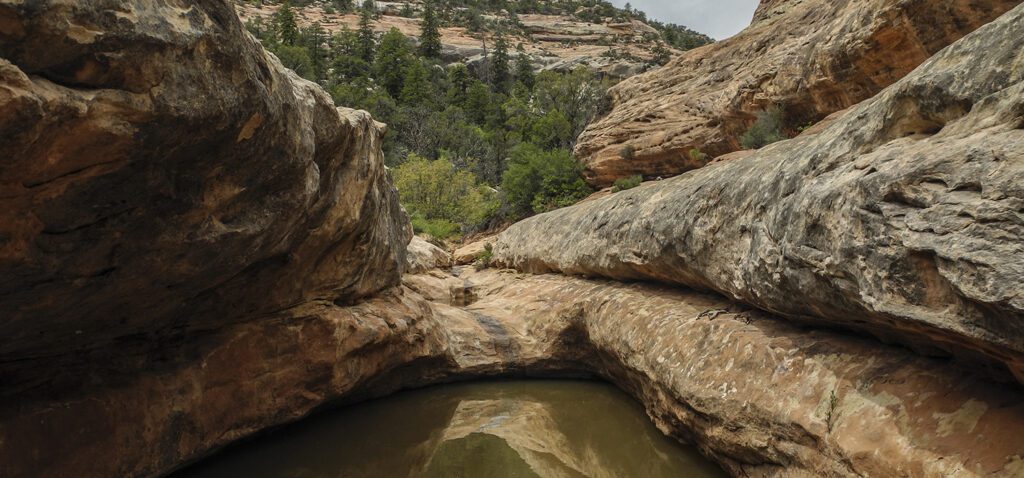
393, 58
458, 81
501, 75
416, 89
430, 37
524, 70
284, 22
366, 37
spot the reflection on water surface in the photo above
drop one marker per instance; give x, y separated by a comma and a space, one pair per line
536, 428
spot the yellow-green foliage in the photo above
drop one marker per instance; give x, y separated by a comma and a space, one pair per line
440, 197
623, 184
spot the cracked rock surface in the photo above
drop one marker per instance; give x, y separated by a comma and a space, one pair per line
903, 218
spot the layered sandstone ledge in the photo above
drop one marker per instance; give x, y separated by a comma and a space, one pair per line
760, 396
901, 219
161, 175
809, 57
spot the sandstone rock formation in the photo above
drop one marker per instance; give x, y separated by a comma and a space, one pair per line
902, 218
162, 176
760, 396
196, 246
811, 57
422, 256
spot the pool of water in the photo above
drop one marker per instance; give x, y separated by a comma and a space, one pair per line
536, 428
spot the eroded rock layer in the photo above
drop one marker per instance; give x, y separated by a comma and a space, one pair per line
902, 218
162, 174
811, 57
760, 396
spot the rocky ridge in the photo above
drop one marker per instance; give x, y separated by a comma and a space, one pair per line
809, 57
553, 42
902, 218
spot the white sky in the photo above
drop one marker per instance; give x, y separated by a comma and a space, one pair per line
717, 18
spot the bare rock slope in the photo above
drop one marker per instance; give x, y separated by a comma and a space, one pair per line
811, 57
903, 218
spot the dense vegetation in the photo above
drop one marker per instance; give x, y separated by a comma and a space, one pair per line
469, 147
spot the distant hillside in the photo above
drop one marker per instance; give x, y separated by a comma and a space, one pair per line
556, 35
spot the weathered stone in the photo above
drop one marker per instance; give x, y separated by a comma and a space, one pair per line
422, 256
811, 57
161, 174
759, 395
470, 252
902, 218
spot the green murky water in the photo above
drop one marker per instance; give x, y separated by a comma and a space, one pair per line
538, 428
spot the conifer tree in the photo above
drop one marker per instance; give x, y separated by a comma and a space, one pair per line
284, 22
524, 70
416, 87
393, 57
430, 36
365, 35
501, 74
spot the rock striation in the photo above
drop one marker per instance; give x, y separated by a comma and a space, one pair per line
758, 395
197, 246
902, 218
163, 176
810, 57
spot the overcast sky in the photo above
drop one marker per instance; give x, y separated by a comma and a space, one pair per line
717, 18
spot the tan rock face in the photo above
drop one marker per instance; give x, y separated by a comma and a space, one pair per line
902, 218
422, 256
162, 175
811, 57
759, 395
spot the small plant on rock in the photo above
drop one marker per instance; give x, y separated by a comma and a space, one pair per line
767, 129
628, 152
627, 183
483, 260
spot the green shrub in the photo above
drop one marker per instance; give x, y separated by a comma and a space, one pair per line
697, 155
538, 181
628, 152
483, 260
445, 200
440, 229
767, 129
623, 184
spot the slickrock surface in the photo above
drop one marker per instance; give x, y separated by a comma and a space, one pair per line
759, 395
811, 57
161, 177
903, 218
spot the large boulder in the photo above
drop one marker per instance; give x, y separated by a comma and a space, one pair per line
163, 175
903, 218
810, 57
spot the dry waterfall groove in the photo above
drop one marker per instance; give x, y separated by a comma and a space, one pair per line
196, 246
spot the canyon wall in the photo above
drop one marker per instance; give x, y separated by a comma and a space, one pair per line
197, 246
902, 218
810, 57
